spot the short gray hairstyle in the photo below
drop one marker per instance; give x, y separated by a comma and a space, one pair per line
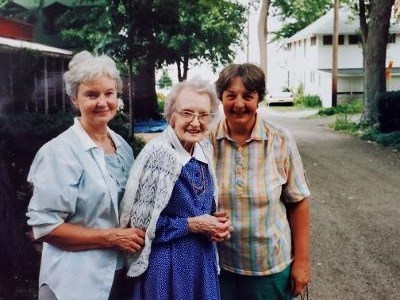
85, 66
198, 86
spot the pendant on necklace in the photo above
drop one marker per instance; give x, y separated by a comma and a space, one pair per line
202, 187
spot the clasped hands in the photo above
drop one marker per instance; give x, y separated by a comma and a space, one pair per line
217, 227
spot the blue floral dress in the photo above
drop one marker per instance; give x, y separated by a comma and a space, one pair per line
182, 265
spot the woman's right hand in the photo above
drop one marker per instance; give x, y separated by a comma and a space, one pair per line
215, 227
126, 239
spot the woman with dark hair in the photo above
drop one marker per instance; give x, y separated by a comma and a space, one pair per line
263, 188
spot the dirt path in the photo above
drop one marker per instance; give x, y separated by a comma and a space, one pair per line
355, 212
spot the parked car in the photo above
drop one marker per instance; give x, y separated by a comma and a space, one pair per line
275, 96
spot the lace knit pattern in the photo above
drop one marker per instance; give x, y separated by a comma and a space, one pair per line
150, 184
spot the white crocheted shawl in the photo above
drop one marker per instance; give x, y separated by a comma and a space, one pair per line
151, 180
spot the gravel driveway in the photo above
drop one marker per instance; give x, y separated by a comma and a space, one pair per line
355, 211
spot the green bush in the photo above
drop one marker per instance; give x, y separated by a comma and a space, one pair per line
391, 139
311, 101
160, 103
348, 107
308, 100
298, 94
342, 123
389, 111
329, 111
120, 124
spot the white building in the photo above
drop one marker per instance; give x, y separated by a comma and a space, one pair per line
309, 58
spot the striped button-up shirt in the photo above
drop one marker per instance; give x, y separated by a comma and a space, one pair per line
255, 181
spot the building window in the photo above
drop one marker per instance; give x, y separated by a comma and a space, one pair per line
313, 40
354, 39
392, 39
328, 39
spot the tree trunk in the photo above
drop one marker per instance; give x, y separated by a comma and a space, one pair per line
335, 46
144, 92
178, 66
375, 57
183, 68
262, 36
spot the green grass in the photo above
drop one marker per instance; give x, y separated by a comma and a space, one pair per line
348, 107
344, 123
389, 139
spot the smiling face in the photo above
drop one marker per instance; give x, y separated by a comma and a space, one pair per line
190, 132
240, 105
97, 101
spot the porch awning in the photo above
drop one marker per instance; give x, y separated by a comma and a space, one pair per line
13, 45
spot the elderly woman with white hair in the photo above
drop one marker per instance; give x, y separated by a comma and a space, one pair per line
171, 192
78, 181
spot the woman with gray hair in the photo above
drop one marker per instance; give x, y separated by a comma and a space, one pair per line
78, 181
171, 192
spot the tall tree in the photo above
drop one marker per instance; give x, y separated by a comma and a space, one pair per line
374, 23
263, 36
206, 31
297, 14
147, 34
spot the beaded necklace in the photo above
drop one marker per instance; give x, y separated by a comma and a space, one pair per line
202, 187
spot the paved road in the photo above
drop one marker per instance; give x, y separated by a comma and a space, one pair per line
355, 212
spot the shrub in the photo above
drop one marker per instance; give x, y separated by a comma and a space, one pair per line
348, 107
298, 94
342, 123
329, 111
160, 103
311, 101
391, 139
389, 111
308, 100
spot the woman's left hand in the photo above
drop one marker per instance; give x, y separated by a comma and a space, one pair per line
210, 225
300, 276
222, 217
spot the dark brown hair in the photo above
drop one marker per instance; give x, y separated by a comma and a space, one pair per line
252, 76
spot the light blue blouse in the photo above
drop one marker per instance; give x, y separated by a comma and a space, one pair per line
73, 183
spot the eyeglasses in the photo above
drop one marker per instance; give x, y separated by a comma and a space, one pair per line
189, 116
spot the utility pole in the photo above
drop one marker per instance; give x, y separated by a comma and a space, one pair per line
262, 30
248, 33
335, 45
